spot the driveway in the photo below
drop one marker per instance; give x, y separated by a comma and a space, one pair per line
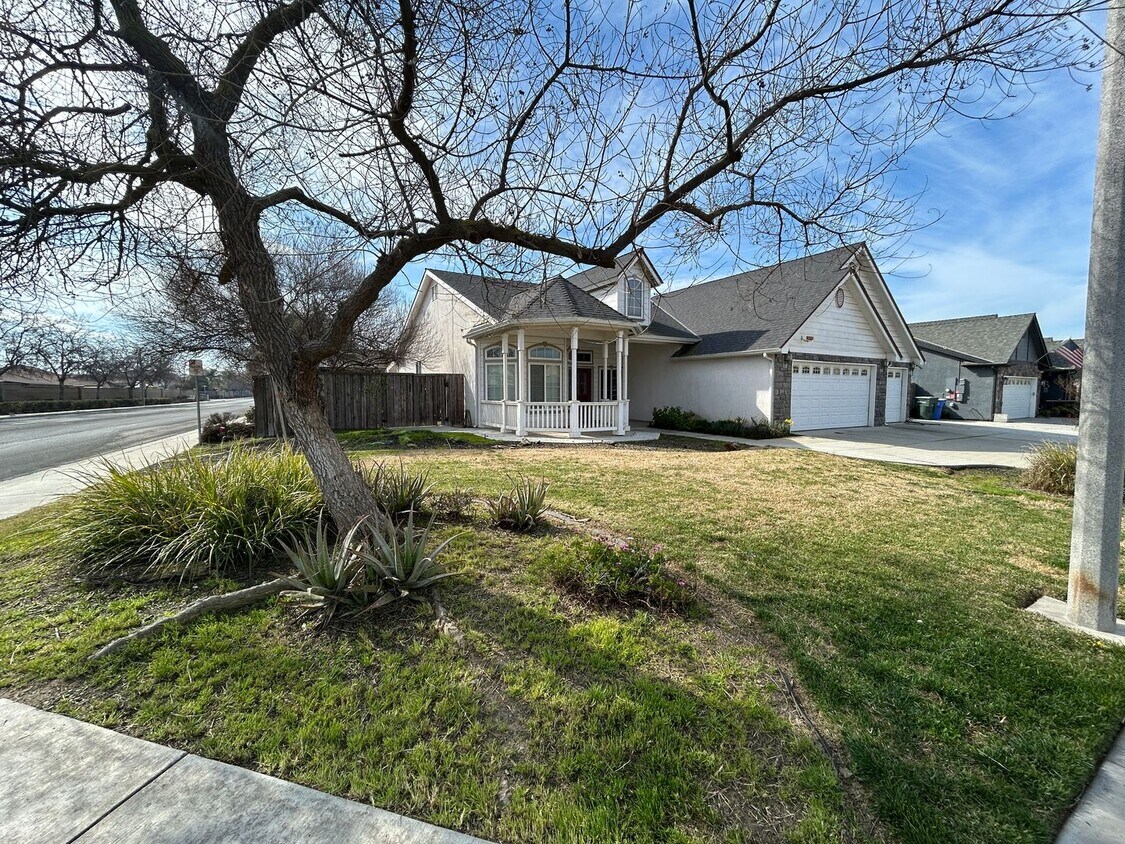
927, 443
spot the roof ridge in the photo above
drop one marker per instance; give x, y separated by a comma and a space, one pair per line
777, 266
1029, 314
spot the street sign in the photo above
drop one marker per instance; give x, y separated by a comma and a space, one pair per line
195, 367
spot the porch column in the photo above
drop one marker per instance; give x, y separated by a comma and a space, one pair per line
617, 375
504, 385
521, 383
625, 387
574, 422
603, 392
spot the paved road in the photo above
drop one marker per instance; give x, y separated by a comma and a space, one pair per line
37, 442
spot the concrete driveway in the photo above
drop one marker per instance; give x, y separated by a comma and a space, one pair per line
927, 443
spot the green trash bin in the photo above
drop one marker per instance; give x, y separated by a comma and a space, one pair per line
924, 407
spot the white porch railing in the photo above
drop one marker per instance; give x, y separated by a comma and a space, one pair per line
547, 416
597, 416
552, 416
490, 412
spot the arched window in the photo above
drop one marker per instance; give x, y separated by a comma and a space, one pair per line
494, 373
634, 298
544, 374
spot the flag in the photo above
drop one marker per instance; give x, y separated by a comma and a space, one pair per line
1073, 355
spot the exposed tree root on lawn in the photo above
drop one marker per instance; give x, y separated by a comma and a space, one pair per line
226, 601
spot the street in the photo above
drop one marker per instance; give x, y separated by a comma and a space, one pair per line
38, 442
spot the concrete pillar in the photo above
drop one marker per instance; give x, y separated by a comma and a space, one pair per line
504, 386
574, 426
521, 383
1095, 544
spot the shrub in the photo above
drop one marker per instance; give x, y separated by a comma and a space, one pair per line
613, 574
520, 508
250, 415
224, 427
678, 419
372, 565
452, 506
397, 491
52, 405
190, 515
1052, 468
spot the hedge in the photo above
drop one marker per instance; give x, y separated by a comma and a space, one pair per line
677, 419
42, 406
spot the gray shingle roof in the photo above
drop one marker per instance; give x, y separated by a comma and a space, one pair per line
504, 300
756, 310
991, 338
557, 299
596, 277
491, 295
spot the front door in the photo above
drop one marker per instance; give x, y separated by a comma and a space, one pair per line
585, 384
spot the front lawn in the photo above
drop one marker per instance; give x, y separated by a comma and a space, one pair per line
892, 596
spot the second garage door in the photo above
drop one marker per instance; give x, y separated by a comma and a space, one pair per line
1018, 398
830, 395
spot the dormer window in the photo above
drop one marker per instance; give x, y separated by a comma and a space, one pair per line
634, 298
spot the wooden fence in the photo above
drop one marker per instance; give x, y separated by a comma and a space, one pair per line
374, 400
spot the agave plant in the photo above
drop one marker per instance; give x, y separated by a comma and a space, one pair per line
522, 507
331, 576
397, 491
398, 559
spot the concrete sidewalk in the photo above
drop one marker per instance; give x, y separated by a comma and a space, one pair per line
1099, 817
64, 781
27, 491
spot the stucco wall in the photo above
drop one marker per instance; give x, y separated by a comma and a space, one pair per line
934, 376
715, 388
441, 346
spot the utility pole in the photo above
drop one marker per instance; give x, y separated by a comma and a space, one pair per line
1095, 544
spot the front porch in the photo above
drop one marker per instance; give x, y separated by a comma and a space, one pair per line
538, 382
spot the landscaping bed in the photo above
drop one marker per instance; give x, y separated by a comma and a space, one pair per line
852, 662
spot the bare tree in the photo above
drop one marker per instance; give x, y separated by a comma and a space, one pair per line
104, 361
63, 350
142, 365
197, 313
19, 339
491, 132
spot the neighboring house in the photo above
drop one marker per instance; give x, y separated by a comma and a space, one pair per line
986, 367
1062, 381
817, 340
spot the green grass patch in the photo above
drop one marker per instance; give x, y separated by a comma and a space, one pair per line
409, 438
892, 594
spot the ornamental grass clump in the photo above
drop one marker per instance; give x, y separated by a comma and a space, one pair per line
522, 507
616, 574
191, 515
1051, 468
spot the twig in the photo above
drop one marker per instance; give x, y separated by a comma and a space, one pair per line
228, 601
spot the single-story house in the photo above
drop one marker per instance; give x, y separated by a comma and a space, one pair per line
985, 367
818, 340
1062, 381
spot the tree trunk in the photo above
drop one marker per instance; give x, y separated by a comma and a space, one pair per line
346, 494
62, 389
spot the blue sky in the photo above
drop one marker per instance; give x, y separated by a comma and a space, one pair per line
1010, 204
1012, 201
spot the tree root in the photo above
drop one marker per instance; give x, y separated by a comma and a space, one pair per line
227, 601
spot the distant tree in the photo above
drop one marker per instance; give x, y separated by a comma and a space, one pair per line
142, 365
104, 360
19, 339
197, 313
63, 350
492, 133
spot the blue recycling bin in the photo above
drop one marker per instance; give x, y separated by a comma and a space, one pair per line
938, 408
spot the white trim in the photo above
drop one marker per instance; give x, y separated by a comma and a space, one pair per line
886, 291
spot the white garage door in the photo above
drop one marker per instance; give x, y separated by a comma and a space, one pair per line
896, 386
1018, 400
830, 395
